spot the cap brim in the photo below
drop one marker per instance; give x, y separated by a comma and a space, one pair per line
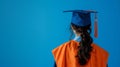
82, 11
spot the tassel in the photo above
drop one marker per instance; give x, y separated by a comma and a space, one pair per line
96, 26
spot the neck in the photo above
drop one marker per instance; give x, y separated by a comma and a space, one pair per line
77, 38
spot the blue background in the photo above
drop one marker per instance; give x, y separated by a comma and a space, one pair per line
30, 29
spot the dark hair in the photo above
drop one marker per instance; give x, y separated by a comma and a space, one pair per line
84, 47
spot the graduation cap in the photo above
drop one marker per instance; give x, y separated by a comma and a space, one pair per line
83, 18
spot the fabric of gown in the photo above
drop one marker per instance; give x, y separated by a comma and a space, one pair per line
65, 55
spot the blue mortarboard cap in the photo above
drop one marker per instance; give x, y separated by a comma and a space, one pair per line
81, 17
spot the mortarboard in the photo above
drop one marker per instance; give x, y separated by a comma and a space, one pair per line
83, 18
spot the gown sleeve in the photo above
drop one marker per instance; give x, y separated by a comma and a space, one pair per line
107, 65
55, 64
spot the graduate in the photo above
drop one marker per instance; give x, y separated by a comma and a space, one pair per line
81, 51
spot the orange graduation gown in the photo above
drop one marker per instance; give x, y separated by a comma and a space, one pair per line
64, 55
